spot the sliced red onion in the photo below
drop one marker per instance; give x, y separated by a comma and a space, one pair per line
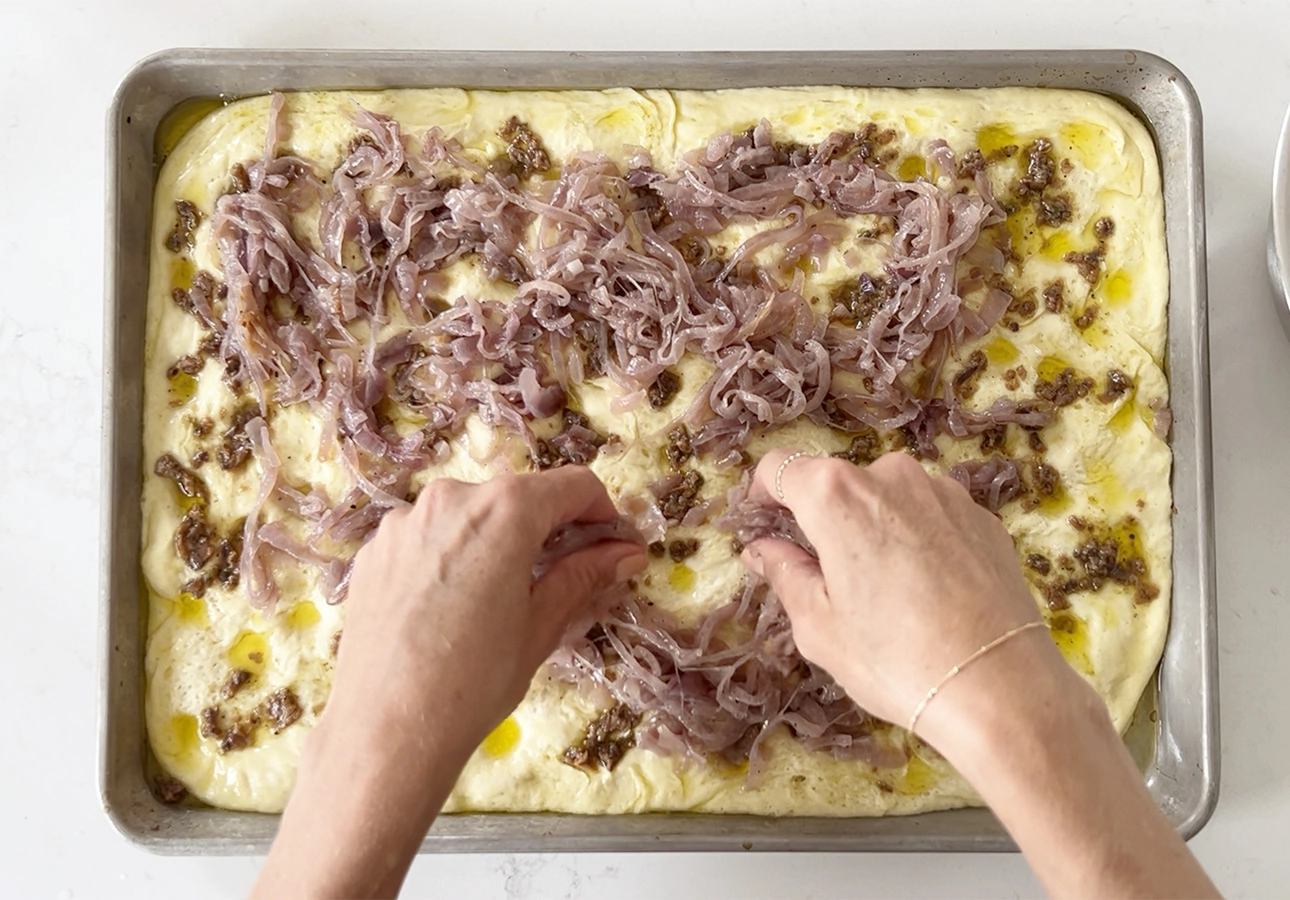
619, 280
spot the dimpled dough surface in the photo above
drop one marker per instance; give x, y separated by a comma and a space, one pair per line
1112, 463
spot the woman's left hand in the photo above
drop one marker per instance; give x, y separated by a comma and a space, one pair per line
444, 628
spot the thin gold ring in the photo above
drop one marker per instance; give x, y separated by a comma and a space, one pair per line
779, 473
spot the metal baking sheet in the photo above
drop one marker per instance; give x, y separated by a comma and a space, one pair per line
1175, 734
1279, 227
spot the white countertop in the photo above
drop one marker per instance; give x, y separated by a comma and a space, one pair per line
60, 62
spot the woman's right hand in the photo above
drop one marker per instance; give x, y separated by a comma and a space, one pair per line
912, 577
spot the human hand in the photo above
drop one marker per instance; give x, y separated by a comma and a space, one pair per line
912, 576
444, 622
912, 579
445, 625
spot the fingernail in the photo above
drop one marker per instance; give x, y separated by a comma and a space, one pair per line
629, 566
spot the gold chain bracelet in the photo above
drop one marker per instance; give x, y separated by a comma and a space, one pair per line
1006, 636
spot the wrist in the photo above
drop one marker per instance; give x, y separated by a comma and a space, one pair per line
387, 740
357, 815
1036, 742
373, 773
420, 723
1022, 701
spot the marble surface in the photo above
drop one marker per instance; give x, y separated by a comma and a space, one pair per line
59, 64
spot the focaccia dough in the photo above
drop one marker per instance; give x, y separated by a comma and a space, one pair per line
1113, 464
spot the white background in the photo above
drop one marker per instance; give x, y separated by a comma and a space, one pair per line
60, 62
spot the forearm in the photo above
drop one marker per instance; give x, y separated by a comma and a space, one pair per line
1058, 776
357, 815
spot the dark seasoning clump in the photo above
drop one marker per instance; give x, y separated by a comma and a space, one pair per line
1064, 388
865, 447
1101, 554
524, 150
605, 741
857, 299
682, 498
276, 711
682, 549
169, 790
964, 381
235, 444
187, 219
678, 449
576, 444
664, 388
